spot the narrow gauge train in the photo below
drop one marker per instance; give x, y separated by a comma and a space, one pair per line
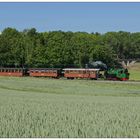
69, 73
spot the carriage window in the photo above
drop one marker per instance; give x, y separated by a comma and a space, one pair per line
92, 72
76, 71
80, 71
71, 71
67, 71
87, 72
42, 71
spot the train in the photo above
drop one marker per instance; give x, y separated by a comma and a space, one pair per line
69, 73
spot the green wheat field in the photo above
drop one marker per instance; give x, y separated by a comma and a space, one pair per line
41, 107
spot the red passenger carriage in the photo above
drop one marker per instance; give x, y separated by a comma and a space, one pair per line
12, 72
45, 72
71, 73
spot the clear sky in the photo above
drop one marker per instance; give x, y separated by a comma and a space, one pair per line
88, 17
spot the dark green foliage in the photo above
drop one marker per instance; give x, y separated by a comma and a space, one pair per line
65, 49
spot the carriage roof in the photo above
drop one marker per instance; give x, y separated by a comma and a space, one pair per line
79, 69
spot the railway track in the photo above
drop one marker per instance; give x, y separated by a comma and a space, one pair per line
109, 81
127, 82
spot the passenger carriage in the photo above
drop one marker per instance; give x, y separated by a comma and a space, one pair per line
12, 72
45, 72
71, 73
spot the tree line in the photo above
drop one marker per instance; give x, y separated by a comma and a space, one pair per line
29, 48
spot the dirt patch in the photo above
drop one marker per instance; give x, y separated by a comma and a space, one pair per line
136, 67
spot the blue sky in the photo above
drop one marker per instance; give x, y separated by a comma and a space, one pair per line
88, 17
